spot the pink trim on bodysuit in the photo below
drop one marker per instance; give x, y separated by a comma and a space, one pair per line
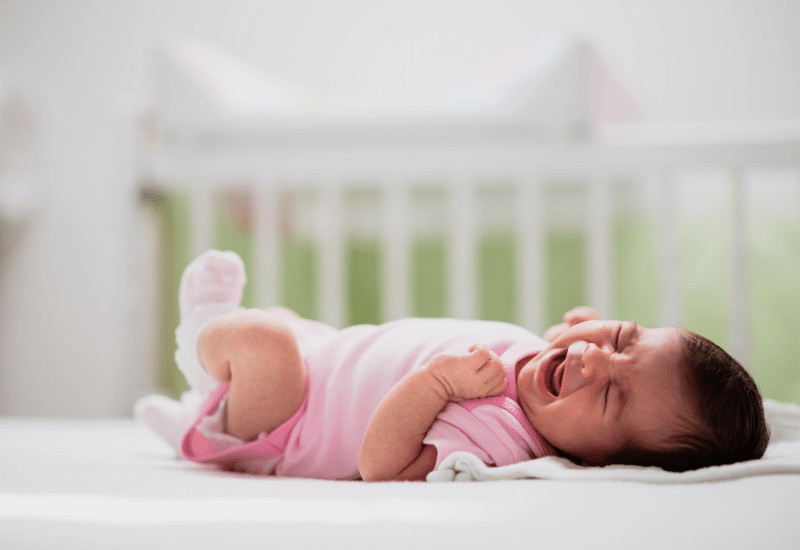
196, 448
509, 405
508, 402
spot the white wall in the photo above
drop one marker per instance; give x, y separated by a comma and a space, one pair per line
61, 330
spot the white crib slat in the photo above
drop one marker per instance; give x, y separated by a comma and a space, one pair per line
265, 245
461, 258
795, 169
530, 254
740, 346
202, 218
395, 250
668, 246
599, 241
330, 249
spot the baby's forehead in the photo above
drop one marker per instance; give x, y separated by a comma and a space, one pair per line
666, 339
662, 391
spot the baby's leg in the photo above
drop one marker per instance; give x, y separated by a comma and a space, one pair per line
253, 349
257, 352
168, 418
211, 286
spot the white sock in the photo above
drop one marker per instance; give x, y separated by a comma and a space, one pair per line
168, 418
211, 286
213, 277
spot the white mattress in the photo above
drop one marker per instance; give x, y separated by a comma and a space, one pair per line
111, 484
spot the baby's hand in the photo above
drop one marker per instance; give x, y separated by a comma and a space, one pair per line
478, 374
573, 317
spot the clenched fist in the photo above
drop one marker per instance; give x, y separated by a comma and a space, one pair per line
477, 374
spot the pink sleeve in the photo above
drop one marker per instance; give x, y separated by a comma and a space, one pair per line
448, 438
493, 429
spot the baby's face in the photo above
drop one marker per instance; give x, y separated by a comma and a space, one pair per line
605, 384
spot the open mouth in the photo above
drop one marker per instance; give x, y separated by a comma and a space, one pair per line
556, 373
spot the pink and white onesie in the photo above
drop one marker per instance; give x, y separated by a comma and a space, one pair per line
349, 371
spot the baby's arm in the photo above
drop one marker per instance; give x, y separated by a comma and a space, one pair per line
392, 448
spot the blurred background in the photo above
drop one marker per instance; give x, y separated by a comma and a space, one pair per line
80, 80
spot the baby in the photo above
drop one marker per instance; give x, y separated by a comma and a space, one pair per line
273, 393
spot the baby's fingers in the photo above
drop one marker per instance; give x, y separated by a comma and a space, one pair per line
554, 332
481, 351
493, 375
479, 355
477, 374
581, 314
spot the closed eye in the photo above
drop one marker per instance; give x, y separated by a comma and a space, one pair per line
629, 336
616, 337
605, 402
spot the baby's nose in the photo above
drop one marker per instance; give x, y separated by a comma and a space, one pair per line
575, 353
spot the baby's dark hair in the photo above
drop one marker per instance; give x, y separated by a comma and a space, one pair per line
728, 424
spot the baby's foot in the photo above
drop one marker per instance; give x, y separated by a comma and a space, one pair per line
168, 418
213, 278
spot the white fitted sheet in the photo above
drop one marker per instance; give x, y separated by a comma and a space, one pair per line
111, 483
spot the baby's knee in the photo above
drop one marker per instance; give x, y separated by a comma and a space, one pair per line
244, 342
268, 348
267, 379
272, 338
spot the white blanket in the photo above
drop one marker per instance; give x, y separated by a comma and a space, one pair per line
782, 457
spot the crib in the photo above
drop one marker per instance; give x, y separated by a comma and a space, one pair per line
369, 220
113, 483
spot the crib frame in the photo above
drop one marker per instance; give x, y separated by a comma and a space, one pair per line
328, 156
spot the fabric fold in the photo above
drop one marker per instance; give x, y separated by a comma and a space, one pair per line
782, 457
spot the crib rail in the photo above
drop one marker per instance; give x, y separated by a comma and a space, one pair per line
330, 160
